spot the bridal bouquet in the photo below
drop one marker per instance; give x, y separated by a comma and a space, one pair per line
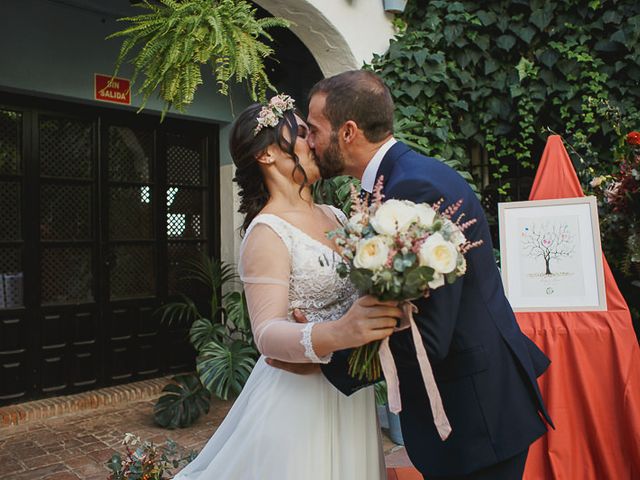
398, 250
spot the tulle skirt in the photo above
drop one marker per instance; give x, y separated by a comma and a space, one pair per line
292, 427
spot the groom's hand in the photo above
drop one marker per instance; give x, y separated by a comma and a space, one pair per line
297, 368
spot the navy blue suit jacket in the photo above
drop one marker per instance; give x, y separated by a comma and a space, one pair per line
485, 367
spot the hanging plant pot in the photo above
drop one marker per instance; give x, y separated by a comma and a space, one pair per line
394, 6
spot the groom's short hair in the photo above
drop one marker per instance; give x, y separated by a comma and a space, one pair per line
360, 96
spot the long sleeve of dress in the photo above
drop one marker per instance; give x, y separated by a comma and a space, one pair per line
265, 266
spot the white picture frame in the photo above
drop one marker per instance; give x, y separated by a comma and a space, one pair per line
550, 255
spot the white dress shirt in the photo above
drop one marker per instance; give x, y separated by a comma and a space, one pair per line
371, 171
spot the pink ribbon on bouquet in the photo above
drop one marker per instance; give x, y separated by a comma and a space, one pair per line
391, 374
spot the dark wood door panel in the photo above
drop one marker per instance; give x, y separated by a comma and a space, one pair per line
100, 211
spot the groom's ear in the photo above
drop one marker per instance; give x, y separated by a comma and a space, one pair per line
349, 131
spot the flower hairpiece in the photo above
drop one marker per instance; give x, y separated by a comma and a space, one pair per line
271, 113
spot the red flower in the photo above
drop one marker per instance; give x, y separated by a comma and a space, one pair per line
633, 138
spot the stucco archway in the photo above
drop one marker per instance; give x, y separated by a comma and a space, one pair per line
340, 34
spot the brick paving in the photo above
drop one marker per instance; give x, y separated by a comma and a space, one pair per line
77, 445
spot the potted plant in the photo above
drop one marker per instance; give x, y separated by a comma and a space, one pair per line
222, 339
388, 420
394, 6
171, 41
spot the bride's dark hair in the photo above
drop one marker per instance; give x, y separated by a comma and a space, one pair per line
246, 147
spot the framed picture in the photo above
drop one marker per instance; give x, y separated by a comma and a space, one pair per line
551, 258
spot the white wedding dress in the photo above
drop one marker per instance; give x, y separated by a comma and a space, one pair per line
285, 426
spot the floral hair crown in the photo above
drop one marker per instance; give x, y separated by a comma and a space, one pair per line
271, 113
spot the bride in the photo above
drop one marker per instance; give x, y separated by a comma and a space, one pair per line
285, 426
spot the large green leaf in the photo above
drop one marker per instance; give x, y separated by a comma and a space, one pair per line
204, 331
235, 304
182, 403
224, 369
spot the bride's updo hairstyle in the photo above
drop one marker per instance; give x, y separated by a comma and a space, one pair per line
246, 146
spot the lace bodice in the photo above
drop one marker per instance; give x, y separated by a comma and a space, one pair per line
313, 285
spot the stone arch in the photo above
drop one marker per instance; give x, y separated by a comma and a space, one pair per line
340, 34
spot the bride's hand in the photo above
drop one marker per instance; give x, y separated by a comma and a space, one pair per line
368, 320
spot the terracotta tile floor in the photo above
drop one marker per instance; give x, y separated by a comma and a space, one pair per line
76, 446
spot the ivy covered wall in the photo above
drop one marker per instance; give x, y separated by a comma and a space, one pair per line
501, 75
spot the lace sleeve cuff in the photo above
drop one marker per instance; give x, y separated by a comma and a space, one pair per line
309, 352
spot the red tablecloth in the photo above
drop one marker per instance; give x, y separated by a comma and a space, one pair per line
592, 388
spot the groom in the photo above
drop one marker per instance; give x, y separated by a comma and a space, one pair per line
484, 366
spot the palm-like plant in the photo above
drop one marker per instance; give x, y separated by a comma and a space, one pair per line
221, 336
175, 38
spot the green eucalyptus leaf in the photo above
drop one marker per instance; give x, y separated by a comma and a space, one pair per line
398, 263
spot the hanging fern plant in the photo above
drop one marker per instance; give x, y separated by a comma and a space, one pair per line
168, 46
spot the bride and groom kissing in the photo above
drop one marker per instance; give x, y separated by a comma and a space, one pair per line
300, 414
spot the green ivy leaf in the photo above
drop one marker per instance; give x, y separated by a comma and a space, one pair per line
451, 32
483, 42
525, 33
611, 16
468, 127
420, 56
506, 42
541, 18
548, 57
619, 37
490, 66
605, 46
414, 90
487, 18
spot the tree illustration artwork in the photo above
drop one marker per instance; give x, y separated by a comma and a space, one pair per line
549, 241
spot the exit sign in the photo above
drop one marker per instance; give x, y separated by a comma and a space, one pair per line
112, 89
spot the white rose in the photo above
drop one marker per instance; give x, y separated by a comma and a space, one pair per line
426, 214
394, 216
438, 254
371, 253
438, 281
